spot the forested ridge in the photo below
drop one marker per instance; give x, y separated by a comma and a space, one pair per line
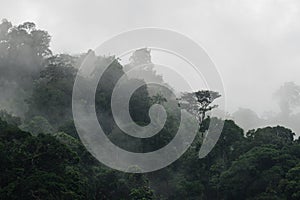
42, 157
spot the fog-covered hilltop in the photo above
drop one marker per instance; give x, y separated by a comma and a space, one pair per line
42, 157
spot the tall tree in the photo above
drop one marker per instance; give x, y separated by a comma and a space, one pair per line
199, 103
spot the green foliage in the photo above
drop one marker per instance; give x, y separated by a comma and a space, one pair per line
23, 49
9, 118
52, 93
37, 125
44, 158
278, 136
199, 103
47, 167
291, 184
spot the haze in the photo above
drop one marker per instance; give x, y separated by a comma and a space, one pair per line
254, 44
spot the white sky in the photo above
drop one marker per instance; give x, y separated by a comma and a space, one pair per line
254, 43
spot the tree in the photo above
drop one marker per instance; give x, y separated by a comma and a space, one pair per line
59, 167
141, 62
199, 103
37, 125
52, 92
255, 174
277, 136
291, 184
23, 50
158, 99
10, 118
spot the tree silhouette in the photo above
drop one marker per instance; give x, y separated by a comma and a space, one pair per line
199, 103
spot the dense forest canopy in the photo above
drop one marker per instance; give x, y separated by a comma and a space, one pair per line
42, 157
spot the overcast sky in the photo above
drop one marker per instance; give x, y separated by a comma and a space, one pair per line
255, 44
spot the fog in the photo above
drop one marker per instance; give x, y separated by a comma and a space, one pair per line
254, 44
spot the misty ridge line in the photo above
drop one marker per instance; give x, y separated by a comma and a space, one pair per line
43, 155
25, 53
